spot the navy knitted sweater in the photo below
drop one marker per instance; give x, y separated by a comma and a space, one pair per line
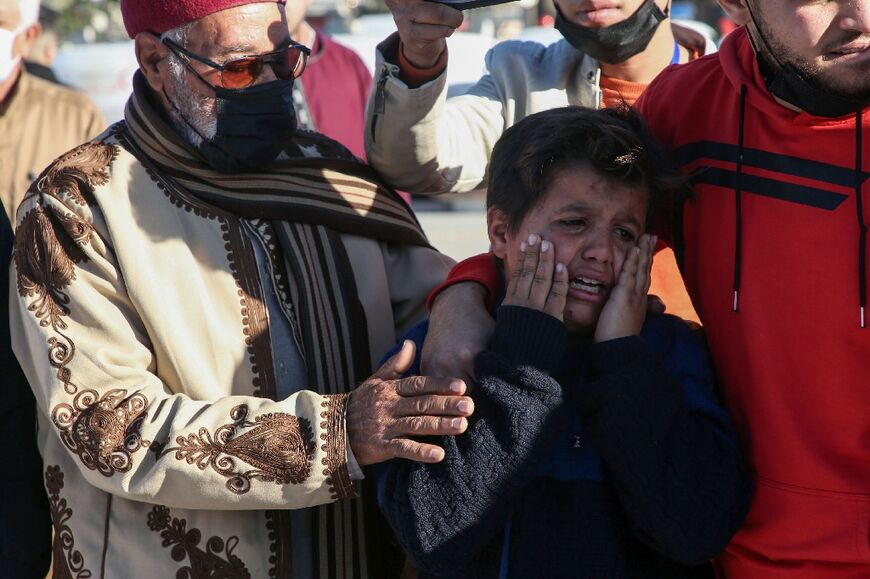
607, 460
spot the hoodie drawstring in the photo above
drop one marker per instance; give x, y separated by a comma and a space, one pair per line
862, 227
738, 190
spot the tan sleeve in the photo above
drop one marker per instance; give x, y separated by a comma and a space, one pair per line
423, 143
88, 358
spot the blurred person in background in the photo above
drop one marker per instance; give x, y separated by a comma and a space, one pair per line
424, 143
331, 96
38, 120
201, 295
44, 50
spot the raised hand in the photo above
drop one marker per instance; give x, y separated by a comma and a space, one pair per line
386, 411
424, 27
625, 311
536, 282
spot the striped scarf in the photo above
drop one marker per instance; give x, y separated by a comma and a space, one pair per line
309, 203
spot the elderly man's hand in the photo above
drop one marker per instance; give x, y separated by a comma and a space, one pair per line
386, 412
423, 27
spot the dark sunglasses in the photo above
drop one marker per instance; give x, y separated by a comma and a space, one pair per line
287, 64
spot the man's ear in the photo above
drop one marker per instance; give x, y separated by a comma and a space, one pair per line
736, 10
151, 55
497, 229
31, 33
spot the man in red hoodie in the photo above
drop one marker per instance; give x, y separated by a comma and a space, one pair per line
774, 254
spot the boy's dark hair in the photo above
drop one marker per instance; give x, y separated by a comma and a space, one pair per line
614, 142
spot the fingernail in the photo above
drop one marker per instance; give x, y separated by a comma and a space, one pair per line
457, 387
464, 406
560, 267
533, 239
523, 246
434, 454
456, 423
545, 246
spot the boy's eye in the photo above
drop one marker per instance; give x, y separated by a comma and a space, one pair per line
573, 223
624, 234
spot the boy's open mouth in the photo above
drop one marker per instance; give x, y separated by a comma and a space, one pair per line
586, 284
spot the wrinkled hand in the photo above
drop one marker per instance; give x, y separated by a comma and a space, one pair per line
460, 327
626, 308
537, 283
424, 27
386, 411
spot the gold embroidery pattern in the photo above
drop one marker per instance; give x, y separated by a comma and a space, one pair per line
206, 564
103, 432
335, 447
49, 244
279, 446
68, 562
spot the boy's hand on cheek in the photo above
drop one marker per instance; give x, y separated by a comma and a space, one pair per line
537, 282
626, 308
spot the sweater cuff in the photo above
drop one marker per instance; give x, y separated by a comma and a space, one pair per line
414, 76
481, 269
612, 355
608, 359
528, 337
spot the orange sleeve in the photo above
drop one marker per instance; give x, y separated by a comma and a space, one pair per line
481, 269
413, 76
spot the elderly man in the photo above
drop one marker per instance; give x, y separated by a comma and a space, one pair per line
196, 293
39, 120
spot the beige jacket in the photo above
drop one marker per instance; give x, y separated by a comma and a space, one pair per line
39, 121
424, 143
138, 317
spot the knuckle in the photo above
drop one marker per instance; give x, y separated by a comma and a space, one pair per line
540, 279
416, 423
421, 406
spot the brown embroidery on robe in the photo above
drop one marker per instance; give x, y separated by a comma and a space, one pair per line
240, 259
68, 562
50, 242
335, 447
208, 564
103, 432
279, 446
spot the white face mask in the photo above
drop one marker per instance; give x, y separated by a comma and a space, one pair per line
7, 61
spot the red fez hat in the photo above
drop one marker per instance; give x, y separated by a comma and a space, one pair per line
158, 16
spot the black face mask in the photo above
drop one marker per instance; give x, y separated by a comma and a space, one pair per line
254, 125
617, 43
788, 84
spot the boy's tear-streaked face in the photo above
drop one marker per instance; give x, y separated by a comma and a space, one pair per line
593, 221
